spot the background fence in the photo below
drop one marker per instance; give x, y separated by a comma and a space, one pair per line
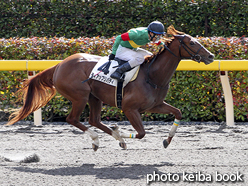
91, 18
218, 65
37, 30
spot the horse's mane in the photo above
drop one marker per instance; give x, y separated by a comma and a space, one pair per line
167, 39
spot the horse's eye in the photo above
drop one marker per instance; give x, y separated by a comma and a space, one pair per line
192, 43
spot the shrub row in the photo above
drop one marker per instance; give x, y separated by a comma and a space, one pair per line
197, 93
90, 18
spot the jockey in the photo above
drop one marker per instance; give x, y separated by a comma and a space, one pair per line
126, 46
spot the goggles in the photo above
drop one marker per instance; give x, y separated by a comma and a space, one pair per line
158, 37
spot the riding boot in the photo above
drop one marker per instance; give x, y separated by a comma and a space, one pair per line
120, 70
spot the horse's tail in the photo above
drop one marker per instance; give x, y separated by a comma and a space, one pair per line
36, 92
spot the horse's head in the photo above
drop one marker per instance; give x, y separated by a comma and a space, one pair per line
190, 48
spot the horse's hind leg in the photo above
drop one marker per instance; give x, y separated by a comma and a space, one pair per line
73, 118
95, 120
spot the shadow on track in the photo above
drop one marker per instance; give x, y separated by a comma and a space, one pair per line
116, 171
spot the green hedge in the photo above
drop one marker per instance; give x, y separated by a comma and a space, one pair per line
197, 93
90, 18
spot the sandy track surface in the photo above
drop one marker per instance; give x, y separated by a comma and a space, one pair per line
199, 151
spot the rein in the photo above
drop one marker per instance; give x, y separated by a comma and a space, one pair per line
195, 56
148, 79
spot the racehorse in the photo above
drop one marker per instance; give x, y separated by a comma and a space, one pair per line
145, 94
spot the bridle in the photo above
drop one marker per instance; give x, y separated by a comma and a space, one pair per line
194, 56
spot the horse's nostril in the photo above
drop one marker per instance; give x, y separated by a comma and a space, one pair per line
211, 56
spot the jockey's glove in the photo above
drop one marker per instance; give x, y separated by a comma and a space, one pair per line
111, 57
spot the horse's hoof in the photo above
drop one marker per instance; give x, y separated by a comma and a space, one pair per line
94, 146
165, 143
123, 145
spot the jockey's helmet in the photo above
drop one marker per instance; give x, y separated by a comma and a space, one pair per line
156, 27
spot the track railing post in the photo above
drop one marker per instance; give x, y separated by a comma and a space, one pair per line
37, 113
228, 98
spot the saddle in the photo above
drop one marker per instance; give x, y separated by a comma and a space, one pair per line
102, 71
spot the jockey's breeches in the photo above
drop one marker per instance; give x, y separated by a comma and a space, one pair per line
135, 57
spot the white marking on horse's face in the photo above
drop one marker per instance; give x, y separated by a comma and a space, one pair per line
194, 40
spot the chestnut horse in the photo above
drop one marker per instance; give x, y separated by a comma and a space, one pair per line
145, 94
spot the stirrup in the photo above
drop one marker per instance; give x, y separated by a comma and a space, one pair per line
122, 78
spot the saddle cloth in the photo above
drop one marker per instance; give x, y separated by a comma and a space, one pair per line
129, 76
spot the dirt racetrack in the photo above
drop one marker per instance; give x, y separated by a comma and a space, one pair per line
200, 154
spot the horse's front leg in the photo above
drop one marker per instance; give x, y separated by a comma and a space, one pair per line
165, 108
135, 120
